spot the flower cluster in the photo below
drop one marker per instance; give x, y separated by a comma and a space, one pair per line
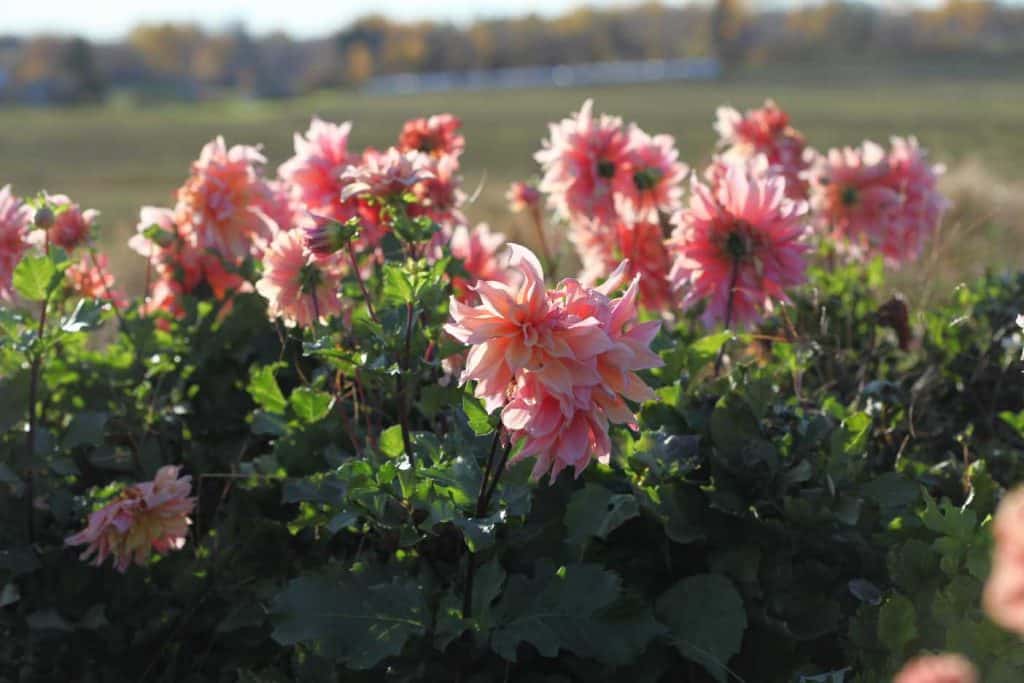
147, 516
876, 201
558, 362
91, 277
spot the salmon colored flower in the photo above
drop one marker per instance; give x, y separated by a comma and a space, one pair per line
314, 172
522, 196
440, 195
478, 251
91, 277
71, 225
14, 222
739, 248
299, 288
944, 668
435, 136
1003, 596
222, 200
146, 517
766, 131
583, 159
650, 181
385, 175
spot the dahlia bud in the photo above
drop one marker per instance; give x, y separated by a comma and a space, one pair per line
327, 236
44, 218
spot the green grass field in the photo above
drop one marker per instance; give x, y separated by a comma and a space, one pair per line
117, 159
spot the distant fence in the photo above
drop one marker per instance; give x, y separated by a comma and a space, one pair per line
599, 73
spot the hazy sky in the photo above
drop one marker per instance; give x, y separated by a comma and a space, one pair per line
106, 19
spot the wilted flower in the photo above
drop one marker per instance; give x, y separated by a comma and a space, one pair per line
14, 220
478, 251
300, 289
582, 160
70, 227
90, 277
522, 196
222, 200
385, 175
436, 136
145, 517
944, 668
738, 247
766, 131
650, 181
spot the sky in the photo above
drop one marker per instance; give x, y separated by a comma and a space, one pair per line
111, 19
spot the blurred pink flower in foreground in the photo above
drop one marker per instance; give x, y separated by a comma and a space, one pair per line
582, 160
71, 225
559, 361
945, 668
739, 247
299, 288
93, 279
765, 131
222, 200
522, 196
921, 205
147, 516
1003, 597
436, 136
14, 221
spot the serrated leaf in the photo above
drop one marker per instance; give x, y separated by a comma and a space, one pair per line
310, 405
476, 415
35, 276
897, 624
706, 621
86, 316
595, 512
264, 389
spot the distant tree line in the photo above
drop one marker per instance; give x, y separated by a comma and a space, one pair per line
183, 61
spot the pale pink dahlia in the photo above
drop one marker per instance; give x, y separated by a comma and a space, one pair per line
300, 290
921, 205
436, 136
147, 516
222, 201
582, 160
944, 668
1003, 597
314, 172
71, 225
478, 251
522, 196
766, 131
739, 247
14, 221
386, 175
650, 181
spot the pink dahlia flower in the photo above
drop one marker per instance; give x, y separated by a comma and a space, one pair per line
944, 668
314, 173
522, 196
14, 221
650, 180
478, 251
921, 205
766, 131
1003, 597
71, 225
299, 288
436, 136
385, 175
440, 195
148, 516
93, 279
583, 159
739, 247
223, 199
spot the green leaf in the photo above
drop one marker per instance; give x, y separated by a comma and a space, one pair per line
85, 317
310, 405
706, 621
479, 420
897, 624
391, 441
397, 287
264, 389
595, 512
351, 620
86, 429
35, 277
705, 350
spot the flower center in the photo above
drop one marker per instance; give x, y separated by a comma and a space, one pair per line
647, 179
848, 196
309, 278
738, 244
605, 168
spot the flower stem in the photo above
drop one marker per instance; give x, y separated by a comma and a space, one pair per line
733, 277
403, 390
359, 279
35, 368
483, 501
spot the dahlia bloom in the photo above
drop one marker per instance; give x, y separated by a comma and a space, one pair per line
921, 205
314, 172
560, 362
478, 251
766, 131
1003, 597
436, 136
385, 175
738, 247
440, 195
71, 226
14, 221
147, 516
944, 668
281, 205
522, 196
582, 160
222, 200
93, 279
299, 289
650, 180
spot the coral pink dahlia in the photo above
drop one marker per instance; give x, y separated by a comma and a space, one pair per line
300, 290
